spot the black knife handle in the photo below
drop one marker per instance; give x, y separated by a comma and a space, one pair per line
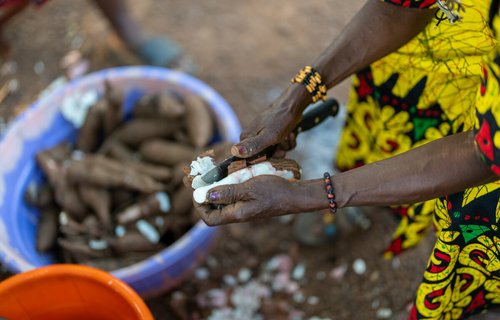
311, 118
317, 114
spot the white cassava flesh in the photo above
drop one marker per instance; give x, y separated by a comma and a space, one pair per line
240, 176
201, 166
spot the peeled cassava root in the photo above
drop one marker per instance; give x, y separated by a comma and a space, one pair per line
116, 196
285, 168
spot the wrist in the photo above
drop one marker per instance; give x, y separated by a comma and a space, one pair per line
310, 195
295, 99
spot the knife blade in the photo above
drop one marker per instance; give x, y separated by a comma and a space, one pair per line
314, 115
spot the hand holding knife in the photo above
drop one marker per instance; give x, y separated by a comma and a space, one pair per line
310, 119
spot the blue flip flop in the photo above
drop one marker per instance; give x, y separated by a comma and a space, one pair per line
160, 51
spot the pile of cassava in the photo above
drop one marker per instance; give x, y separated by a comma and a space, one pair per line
116, 196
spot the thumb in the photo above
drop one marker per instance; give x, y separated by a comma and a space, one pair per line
226, 194
251, 146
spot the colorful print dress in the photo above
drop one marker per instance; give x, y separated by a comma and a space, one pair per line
444, 81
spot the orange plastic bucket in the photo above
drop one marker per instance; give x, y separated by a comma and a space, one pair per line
66, 292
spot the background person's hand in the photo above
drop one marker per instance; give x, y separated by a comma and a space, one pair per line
260, 197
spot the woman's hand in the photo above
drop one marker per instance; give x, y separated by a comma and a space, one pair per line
260, 197
274, 126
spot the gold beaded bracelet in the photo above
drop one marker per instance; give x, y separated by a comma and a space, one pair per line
311, 79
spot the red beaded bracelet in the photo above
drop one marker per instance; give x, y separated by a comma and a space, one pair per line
330, 192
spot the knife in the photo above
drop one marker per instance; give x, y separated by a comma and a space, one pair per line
314, 115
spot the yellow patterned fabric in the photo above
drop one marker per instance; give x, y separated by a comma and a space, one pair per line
443, 82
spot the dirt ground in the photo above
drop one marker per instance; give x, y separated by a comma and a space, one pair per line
247, 51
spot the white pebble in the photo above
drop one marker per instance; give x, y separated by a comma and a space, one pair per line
280, 281
247, 299
244, 275
13, 85
272, 264
298, 297
384, 313
212, 262
230, 280
8, 67
266, 277
313, 300
374, 276
396, 263
221, 314
299, 271
338, 273
292, 287
178, 295
359, 266
202, 273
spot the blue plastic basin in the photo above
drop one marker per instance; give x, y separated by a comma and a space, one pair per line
42, 126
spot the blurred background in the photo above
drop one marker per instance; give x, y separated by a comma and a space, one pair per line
247, 51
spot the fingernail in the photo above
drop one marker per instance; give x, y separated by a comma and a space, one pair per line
238, 150
214, 196
242, 150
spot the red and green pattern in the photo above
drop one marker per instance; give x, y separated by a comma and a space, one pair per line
421, 4
414, 96
487, 120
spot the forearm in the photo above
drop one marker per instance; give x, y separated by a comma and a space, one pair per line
377, 30
441, 167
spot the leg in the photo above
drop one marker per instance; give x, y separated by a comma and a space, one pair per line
153, 50
127, 29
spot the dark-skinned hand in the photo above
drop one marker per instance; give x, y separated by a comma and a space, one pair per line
260, 197
272, 127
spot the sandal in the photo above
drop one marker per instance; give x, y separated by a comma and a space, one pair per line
159, 51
